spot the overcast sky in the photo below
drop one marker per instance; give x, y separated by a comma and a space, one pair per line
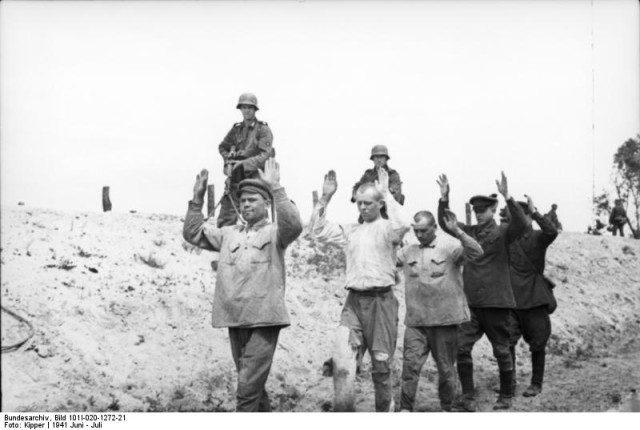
138, 95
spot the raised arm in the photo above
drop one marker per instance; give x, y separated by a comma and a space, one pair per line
518, 222
549, 230
287, 215
319, 227
443, 204
400, 222
470, 249
193, 229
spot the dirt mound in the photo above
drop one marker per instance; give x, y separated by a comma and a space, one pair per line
120, 307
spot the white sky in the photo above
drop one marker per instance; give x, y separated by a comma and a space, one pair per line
138, 95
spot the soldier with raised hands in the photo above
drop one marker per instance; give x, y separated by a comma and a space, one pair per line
369, 318
250, 283
487, 286
436, 304
534, 299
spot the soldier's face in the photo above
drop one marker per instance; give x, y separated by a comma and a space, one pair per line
369, 205
379, 161
484, 215
253, 207
425, 232
248, 112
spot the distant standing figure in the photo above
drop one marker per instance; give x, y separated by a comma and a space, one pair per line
244, 150
436, 304
380, 158
553, 217
530, 289
250, 283
618, 218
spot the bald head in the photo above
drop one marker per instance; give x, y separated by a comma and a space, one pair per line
369, 187
369, 201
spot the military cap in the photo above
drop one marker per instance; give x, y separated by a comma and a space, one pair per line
483, 202
255, 186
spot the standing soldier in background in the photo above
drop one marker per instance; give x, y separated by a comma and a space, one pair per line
487, 285
436, 304
380, 157
553, 217
527, 260
250, 284
618, 218
244, 150
369, 317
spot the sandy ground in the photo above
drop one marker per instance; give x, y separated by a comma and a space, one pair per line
120, 307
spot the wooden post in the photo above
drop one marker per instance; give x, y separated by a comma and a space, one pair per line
211, 200
315, 198
106, 202
467, 209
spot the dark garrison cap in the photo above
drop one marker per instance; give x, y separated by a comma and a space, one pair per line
255, 186
483, 202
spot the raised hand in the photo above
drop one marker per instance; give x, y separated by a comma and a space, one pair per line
443, 183
330, 185
532, 207
451, 222
200, 187
382, 183
503, 187
271, 173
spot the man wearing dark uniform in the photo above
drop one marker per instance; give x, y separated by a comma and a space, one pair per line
380, 157
487, 286
244, 150
618, 218
531, 291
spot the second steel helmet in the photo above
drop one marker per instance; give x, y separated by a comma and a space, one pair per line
379, 150
248, 99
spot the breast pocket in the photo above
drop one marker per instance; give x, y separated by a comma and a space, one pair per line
413, 269
261, 250
231, 256
437, 267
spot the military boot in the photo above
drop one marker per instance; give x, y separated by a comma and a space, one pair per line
465, 402
506, 391
537, 374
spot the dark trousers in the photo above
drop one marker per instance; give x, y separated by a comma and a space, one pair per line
496, 324
618, 227
252, 350
534, 326
442, 342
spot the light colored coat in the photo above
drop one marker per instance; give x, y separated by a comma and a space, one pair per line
433, 281
250, 281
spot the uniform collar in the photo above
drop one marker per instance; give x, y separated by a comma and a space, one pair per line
432, 245
257, 226
252, 123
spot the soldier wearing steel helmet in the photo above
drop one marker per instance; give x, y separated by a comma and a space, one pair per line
244, 150
380, 157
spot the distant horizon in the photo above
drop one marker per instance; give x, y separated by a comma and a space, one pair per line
138, 95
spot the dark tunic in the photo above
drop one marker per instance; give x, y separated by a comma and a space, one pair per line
487, 282
528, 254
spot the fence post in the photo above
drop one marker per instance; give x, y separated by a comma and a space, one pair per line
106, 201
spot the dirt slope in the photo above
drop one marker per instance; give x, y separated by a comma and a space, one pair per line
121, 310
